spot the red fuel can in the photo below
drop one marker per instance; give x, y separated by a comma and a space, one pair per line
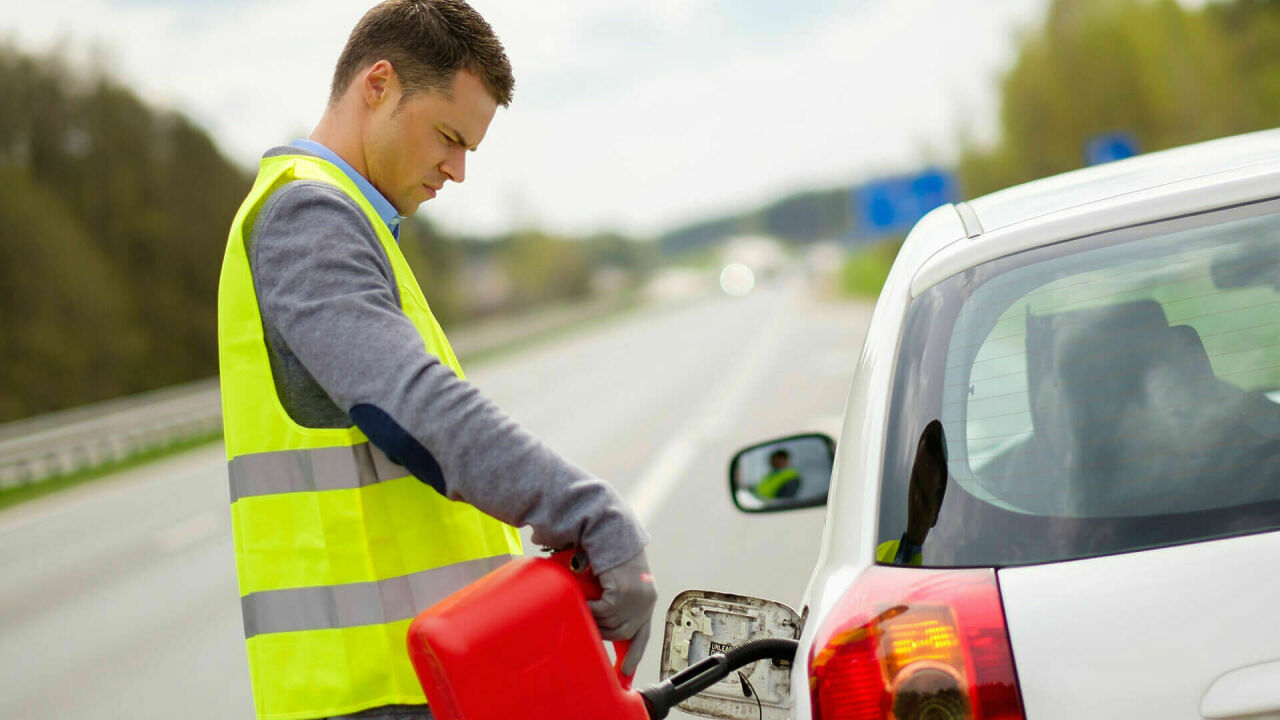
521, 643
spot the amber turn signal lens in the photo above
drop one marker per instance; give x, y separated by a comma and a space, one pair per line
925, 634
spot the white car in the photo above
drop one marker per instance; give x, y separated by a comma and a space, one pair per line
1102, 352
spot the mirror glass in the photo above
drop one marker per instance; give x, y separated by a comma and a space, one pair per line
791, 472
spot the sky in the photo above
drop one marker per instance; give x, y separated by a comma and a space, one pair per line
635, 116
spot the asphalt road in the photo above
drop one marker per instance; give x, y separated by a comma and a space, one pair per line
119, 598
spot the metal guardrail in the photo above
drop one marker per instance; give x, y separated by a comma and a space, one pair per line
86, 437
81, 438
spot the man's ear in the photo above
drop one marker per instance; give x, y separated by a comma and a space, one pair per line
378, 83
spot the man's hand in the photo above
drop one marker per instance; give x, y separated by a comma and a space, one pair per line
624, 610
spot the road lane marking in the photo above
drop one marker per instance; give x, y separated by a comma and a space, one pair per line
189, 531
661, 476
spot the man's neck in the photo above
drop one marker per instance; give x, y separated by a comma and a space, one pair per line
336, 133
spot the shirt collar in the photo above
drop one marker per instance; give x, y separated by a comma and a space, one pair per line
380, 204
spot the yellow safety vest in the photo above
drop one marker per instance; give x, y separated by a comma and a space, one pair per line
887, 552
337, 547
774, 482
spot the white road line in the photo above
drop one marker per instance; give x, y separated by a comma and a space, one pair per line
666, 471
189, 531
661, 476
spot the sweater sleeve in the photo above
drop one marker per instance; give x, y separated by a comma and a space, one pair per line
325, 286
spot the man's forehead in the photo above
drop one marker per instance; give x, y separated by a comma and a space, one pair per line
465, 107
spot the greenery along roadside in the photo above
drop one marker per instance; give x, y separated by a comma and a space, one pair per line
1168, 73
866, 268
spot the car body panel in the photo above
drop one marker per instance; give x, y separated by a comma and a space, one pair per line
947, 241
1144, 634
1251, 691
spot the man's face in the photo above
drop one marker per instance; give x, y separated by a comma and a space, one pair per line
412, 148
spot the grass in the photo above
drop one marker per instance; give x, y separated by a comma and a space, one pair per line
22, 493
866, 269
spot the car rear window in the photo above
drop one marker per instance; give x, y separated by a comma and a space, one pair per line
1096, 396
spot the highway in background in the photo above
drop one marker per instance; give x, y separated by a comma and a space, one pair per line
119, 597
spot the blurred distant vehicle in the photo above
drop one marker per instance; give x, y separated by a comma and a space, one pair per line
762, 253
737, 279
822, 261
762, 256
676, 283
1057, 489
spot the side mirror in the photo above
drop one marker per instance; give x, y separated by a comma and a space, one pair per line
783, 474
701, 623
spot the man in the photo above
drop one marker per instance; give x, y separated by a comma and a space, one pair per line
349, 426
783, 481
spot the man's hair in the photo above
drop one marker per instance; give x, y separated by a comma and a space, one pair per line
427, 42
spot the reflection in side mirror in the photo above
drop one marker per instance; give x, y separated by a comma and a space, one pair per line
783, 474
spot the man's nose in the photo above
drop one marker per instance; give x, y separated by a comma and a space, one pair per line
455, 164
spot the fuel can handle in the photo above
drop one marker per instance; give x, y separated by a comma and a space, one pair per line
574, 559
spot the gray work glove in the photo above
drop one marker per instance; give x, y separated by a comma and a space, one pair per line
624, 610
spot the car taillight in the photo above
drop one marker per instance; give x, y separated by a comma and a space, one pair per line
915, 644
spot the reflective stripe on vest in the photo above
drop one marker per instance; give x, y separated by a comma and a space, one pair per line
337, 546
285, 471
354, 604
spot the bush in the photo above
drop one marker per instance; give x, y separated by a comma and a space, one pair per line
867, 267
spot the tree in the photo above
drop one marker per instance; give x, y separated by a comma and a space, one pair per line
1167, 74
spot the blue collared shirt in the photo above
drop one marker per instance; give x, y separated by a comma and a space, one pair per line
380, 204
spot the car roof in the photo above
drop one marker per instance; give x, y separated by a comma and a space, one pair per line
1080, 187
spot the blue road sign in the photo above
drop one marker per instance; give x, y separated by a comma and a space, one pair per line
1108, 147
892, 205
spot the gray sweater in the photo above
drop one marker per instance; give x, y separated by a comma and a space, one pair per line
342, 352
